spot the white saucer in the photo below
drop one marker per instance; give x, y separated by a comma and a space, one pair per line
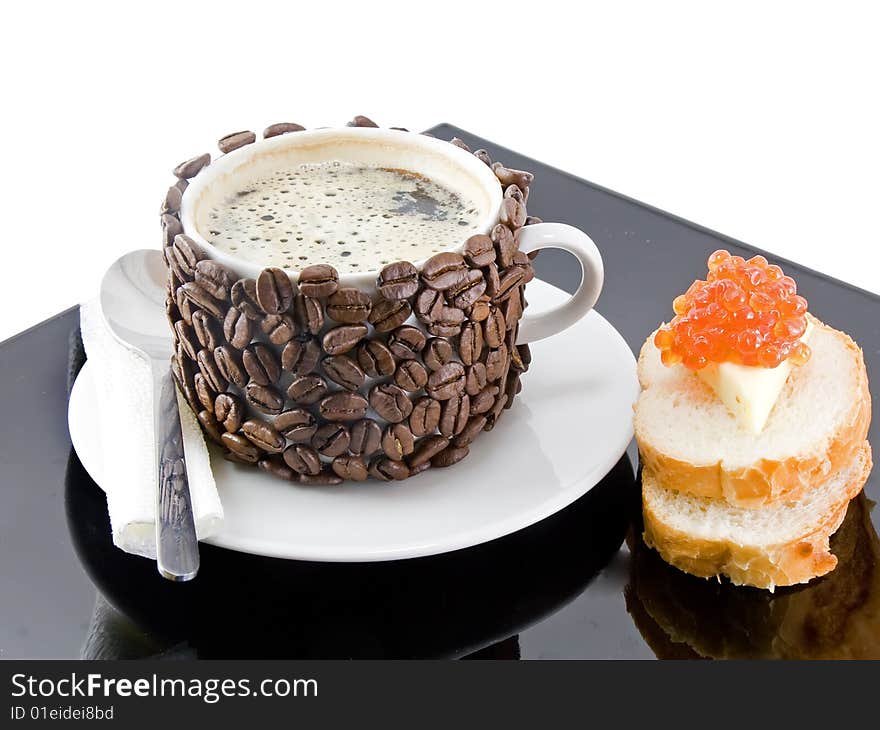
566, 430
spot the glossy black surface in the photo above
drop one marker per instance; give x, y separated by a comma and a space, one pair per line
568, 587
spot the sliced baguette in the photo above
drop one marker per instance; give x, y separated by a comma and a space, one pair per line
691, 443
779, 545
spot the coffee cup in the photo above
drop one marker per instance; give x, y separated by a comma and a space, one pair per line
374, 364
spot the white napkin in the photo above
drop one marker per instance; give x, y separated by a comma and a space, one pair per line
125, 414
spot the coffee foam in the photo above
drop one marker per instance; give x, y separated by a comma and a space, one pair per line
352, 216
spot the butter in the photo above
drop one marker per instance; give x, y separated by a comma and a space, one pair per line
749, 392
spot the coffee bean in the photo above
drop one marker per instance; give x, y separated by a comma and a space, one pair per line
204, 392
331, 439
302, 459
190, 168
495, 414
229, 411
323, 479
483, 157
350, 467
361, 121
496, 361
273, 130
236, 459
512, 308
522, 261
301, 356
206, 329
309, 314
425, 416
263, 435
236, 328
474, 425
494, 328
427, 449
178, 275
429, 306
484, 400
406, 342
444, 270
509, 176
475, 378
390, 402
365, 438
437, 353
505, 244
277, 468
171, 203
208, 368
319, 280
375, 358
512, 213
447, 382
170, 228
210, 426
479, 250
454, 415
388, 314
411, 375
264, 398
493, 281
279, 328
468, 290
213, 278
187, 339
525, 354
397, 441
241, 447
244, 298
184, 305
399, 280
470, 343
261, 364
349, 305
510, 279
307, 389
229, 364
448, 324
296, 424
512, 388
449, 456
235, 140
532, 220
343, 406
200, 298
344, 371
459, 143
341, 339
387, 470
274, 291
513, 191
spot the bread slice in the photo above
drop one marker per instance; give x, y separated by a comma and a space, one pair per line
779, 545
691, 443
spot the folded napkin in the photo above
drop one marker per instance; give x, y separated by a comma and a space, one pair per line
125, 418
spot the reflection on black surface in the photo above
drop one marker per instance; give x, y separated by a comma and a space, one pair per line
442, 606
834, 617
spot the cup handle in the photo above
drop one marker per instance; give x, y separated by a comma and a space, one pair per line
534, 327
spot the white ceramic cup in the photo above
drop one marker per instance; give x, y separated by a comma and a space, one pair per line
436, 159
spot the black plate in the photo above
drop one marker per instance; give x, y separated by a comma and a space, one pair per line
568, 587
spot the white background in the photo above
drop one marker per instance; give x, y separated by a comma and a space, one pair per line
759, 120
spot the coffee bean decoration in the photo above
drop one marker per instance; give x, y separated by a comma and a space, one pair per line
343, 406
279, 328
447, 382
509, 176
468, 290
204, 392
274, 291
493, 281
397, 441
190, 168
388, 314
331, 439
361, 121
505, 244
474, 425
375, 359
206, 330
406, 342
261, 363
208, 367
273, 130
429, 306
484, 400
277, 468
302, 459
309, 314
319, 280
213, 278
387, 470
349, 305
448, 323
263, 435
425, 416
495, 362
322, 479
264, 398
460, 143
343, 371
494, 328
426, 449
307, 389
437, 353
210, 426
202, 299
235, 140
171, 228
229, 364
236, 328
475, 378
479, 250
229, 411
512, 308
187, 254
341, 339
350, 467
514, 191
411, 375
444, 270
244, 298
300, 356
510, 280
449, 456
187, 339
241, 447
512, 213
297, 424
454, 415
399, 280
390, 402
470, 343
366, 436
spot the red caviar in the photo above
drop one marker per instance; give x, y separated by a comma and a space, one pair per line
747, 312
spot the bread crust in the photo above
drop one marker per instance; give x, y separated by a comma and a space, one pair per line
767, 566
767, 480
